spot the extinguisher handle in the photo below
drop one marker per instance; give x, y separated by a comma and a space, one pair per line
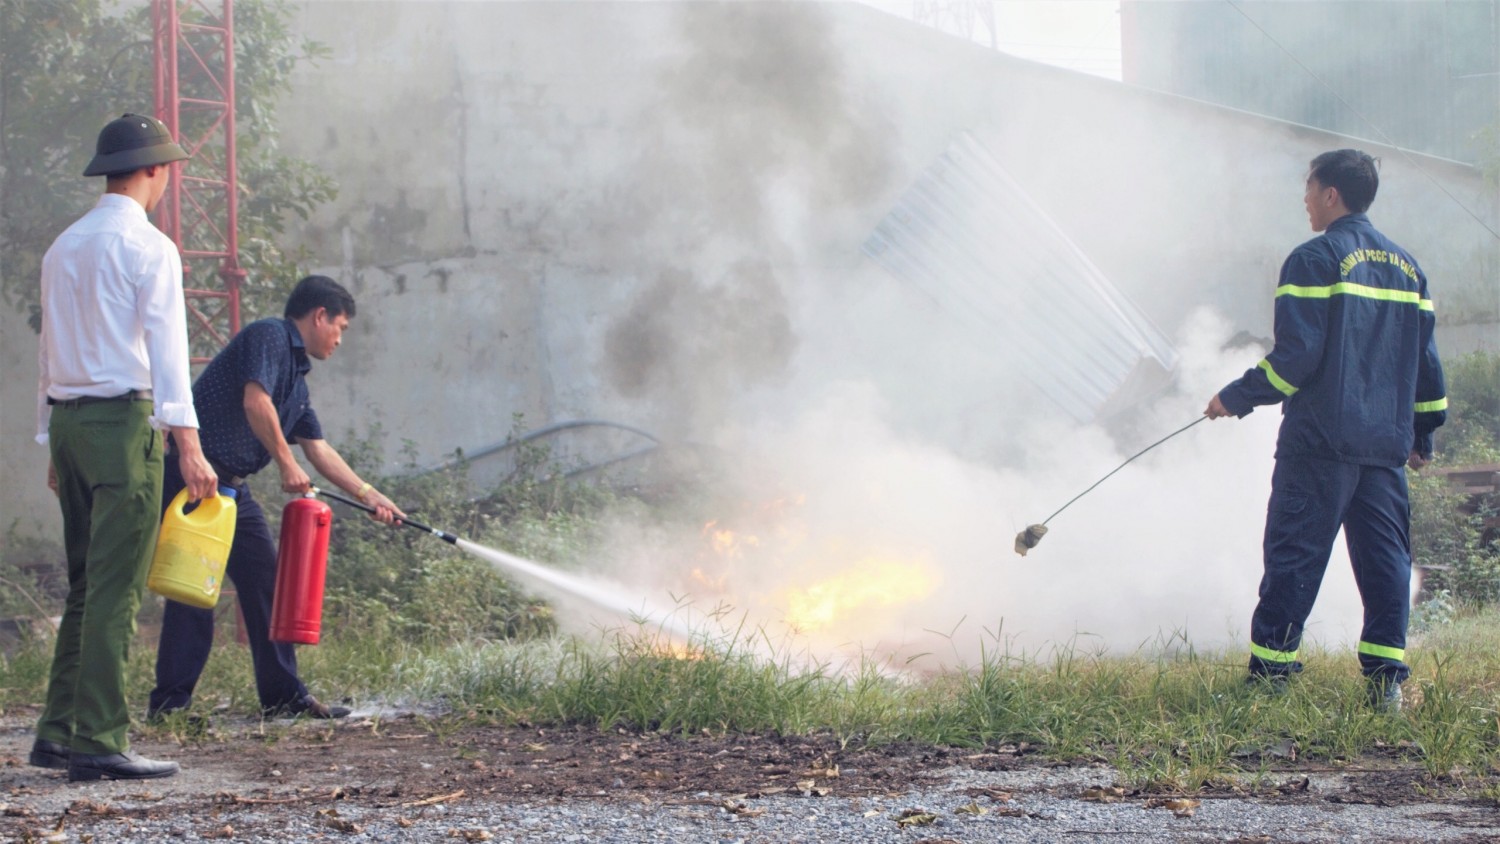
446, 537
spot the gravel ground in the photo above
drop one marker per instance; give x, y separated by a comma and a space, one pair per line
969, 807
491, 786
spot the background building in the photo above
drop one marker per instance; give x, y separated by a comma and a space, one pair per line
1419, 74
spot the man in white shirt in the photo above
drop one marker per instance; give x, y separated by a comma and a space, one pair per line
114, 374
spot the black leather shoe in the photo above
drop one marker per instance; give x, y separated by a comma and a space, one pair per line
117, 766
308, 706
49, 754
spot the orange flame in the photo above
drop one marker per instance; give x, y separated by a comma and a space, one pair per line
872, 583
877, 579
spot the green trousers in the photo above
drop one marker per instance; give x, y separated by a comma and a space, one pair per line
108, 461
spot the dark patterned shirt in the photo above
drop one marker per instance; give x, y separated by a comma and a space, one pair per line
271, 353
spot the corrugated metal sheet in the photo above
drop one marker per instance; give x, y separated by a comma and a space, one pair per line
970, 237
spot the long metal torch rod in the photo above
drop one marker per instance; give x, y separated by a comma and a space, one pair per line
443, 535
1123, 465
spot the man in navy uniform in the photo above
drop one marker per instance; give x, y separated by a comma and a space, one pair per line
1356, 370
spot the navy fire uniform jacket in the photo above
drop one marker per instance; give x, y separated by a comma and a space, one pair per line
1354, 359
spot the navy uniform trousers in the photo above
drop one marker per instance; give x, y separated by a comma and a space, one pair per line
1310, 500
187, 633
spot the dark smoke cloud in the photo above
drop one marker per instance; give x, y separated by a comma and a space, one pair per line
681, 337
766, 82
755, 124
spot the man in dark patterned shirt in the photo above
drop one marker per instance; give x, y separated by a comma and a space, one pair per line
253, 404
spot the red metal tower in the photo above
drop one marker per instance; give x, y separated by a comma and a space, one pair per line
200, 212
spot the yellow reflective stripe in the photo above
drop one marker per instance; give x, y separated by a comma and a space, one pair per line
1425, 304
1368, 649
1430, 406
1276, 380
1273, 656
1349, 288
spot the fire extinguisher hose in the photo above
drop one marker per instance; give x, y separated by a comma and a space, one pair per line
443, 535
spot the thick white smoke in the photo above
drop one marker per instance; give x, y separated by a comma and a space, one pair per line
857, 538
872, 455
663, 210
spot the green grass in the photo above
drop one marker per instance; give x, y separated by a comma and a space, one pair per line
1170, 723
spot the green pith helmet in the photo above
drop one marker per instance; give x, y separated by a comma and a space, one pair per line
130, 143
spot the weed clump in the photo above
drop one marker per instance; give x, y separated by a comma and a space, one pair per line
404, 584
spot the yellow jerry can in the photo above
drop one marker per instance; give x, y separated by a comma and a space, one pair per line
193, 548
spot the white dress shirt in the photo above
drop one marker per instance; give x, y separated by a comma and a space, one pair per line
113, 315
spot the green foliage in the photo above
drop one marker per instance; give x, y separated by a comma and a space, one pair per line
23, 673
33, 577
1436, 609
537, 489
1459, 556
1169, 723
404, 582
1444, 728
1449, 544
71, 66
1472, 432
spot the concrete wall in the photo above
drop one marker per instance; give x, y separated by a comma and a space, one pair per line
25, 500
652, 213
543, 201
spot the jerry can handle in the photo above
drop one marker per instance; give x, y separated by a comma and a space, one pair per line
207, 509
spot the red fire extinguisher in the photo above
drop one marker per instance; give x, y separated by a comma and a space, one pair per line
301, 563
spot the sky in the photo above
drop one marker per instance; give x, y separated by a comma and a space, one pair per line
1081, 35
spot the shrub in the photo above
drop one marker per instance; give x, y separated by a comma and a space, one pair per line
33, 576
1449, 539
408, 583
1473, 407
1449, 544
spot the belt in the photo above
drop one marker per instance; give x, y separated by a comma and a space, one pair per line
132, 395
225, 477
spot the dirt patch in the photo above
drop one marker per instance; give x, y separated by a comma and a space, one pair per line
405, 764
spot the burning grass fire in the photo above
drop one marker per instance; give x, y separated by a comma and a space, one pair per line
783, 574
819, 591
871, 583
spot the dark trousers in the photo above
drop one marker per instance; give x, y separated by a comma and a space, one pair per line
108, 461
1310, 500
187, 633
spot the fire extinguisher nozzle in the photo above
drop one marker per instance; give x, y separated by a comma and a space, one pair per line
447, 537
